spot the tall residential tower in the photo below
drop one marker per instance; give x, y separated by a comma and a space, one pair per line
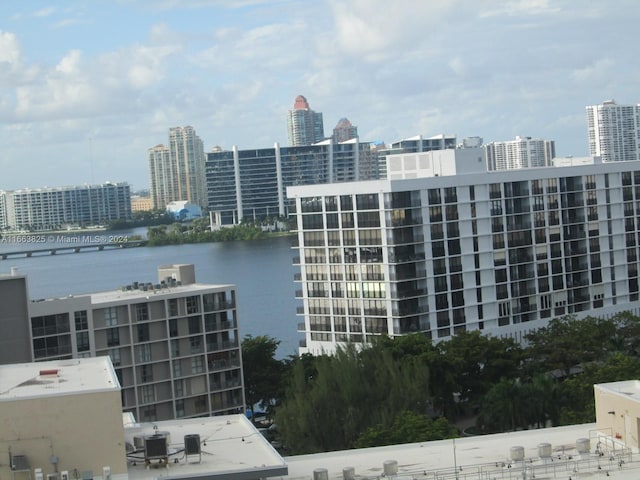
304, 126
176, 171
614, 131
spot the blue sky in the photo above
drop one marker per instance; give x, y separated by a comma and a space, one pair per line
86, 86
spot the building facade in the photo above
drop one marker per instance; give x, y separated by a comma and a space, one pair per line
304, 126
60, 207
252, 183
614, 131
176, 171
452, 248
174, 344
344, 131
523, 152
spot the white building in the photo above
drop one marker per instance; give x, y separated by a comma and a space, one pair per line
523, 152
614, 131
443, 246
51, 208
174, 343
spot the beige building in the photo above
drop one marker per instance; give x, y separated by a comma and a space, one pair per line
618, 411
56, 421
141, 204
174, 343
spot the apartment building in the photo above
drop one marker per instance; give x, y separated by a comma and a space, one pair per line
174, 343
304, 126
614, 131
523, 152
52, 208
444, 246
252, 183
176, 171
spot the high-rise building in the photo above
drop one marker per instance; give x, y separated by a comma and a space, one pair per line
304, 126
344, 131
174, 344
176, 171
523, 152
252, 183
59, 207
444, 246
614, 131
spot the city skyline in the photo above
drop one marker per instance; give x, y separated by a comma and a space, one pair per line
82, 105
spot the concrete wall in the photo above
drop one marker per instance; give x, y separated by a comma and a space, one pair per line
84, 431
618, 415
14, 320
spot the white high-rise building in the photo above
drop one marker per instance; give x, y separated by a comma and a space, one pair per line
177, 171
523, 152
614, 131
444, 246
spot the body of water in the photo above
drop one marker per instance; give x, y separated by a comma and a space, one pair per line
261, 270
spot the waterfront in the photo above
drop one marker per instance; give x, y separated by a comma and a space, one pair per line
262, 271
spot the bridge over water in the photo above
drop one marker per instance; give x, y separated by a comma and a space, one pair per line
72, 249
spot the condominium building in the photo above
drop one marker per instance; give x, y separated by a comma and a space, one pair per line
344, 131
174, 343
614, 131
252, 183
176, 171
443, 246
59, 207
523, 152
304, 126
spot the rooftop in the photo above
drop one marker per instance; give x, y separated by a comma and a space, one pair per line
230, 447
56, 377
550, 453
147, 290
627, 389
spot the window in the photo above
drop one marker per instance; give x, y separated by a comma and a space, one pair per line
114, 354
81, 320
144, 353
110, 317
177, 368
173, 307
142, 312
113, 337
196, 344
197, 365
143, 332
146, 373
194, 325
193, 304
148, 393
82, 341
173, 327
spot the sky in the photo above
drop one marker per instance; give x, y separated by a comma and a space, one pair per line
87, 86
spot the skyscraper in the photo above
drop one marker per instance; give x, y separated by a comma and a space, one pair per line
344, 131
176, 172
523, 152
305, 126
614, 131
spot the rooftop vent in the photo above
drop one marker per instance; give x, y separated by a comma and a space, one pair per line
52, 372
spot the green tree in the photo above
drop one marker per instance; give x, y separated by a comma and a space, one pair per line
407, 427
348, 393
263, 373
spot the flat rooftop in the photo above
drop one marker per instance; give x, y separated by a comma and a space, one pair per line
128, 293
231, 448
57, 377
484, 457
627, 389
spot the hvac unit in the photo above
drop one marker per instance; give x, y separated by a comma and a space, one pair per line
52, 476
192, 446
37, 473
106, 473
64, 475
